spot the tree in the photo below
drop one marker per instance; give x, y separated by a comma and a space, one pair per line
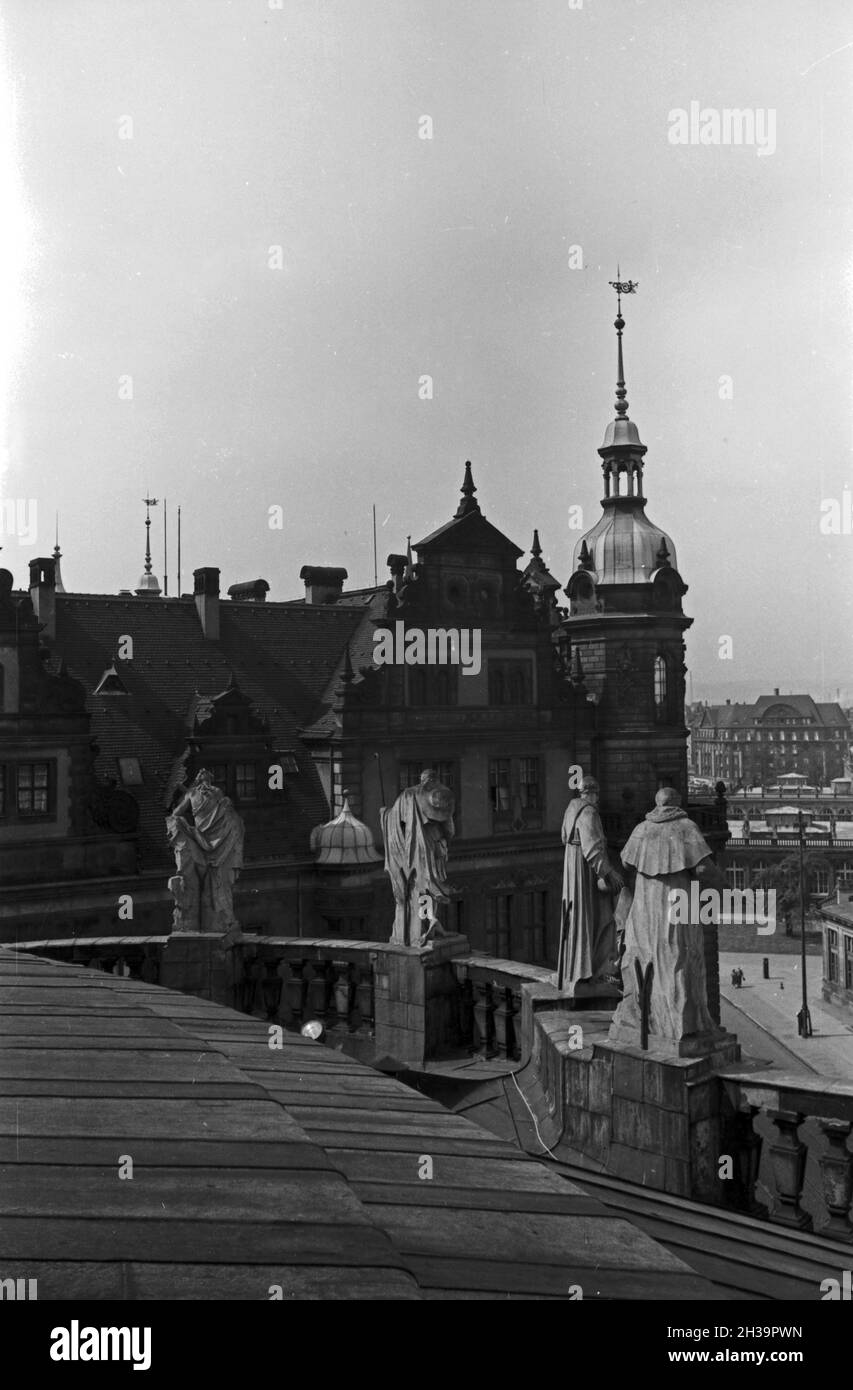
784, 878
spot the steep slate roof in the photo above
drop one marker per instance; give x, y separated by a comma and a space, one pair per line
282, 656
826, 715
471, 531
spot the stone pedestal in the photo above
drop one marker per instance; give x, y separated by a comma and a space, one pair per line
416, 1000
651, 1117
200, 963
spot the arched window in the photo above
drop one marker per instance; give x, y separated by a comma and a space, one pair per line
662, 690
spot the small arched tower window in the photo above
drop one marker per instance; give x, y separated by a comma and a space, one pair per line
661, 689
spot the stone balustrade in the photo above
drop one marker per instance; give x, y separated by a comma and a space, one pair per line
295, 979
491, 1003
789, 1135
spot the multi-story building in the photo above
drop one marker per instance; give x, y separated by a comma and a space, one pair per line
752, 745
286, 705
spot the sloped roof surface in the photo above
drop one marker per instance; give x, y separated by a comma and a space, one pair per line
282, 657
295, 1166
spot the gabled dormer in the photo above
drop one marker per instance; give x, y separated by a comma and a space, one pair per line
466, 571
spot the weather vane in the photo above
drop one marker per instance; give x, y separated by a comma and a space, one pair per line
622, 287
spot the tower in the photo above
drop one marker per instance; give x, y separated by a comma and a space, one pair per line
626, 624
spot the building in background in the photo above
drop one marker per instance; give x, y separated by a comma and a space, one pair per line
752, 745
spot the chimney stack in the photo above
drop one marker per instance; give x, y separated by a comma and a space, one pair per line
322, 584
250, 591
397, 566
206, 594
43, 593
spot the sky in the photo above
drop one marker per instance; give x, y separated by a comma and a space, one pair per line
152, 152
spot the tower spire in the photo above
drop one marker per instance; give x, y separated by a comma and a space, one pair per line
57, 555
149, 583
469, 502
621, 287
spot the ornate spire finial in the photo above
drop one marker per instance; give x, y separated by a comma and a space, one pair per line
621, 287
536, 549
149, 503
584, 557
469, 502
57, 555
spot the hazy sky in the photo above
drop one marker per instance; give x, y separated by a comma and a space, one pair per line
253, 126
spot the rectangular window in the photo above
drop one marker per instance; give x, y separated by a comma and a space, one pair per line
510, 682
246, 781
498, 931
848, 961
219, 773
529, 783
33, 782
820, 880
499, 785
736, 876
832, 954
432, 685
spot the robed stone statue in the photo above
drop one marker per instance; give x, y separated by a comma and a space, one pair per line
587, 952
417, 830
664, 954
208, 857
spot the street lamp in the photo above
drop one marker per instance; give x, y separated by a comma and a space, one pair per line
804, 1019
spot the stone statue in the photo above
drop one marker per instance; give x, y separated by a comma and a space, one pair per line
208, 858
587, 953
416, 831
667, 851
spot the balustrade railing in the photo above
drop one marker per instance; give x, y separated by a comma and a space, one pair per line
789, 1135
490, 1004
297, 979
133, 957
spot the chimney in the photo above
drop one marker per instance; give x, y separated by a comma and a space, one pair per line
250, 591
322, 585
207, 601
397, 566
776, 691
43, 594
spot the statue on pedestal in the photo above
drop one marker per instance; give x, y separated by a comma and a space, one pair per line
417, 831
587, 954
663, 970
208, 858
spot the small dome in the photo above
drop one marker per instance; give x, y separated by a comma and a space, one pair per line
148, 584
622, 432
624, 545
344, 840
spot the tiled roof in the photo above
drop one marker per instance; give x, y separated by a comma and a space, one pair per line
826, 715
282, 656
